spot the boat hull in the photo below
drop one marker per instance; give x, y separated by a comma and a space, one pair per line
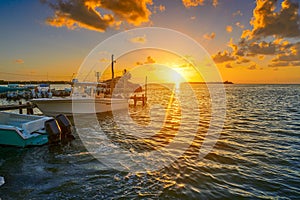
70, 106
13, 138
22, 130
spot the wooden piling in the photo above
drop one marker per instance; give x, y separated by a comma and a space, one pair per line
29, 109
20, 108
134, 100
28, 106
143, 99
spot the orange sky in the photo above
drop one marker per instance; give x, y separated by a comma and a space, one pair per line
249, 41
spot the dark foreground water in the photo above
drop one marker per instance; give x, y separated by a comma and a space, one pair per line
257, 155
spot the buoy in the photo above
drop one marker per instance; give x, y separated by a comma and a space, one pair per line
66, 127
53, 130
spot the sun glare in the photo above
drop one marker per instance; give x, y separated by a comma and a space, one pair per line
176, 77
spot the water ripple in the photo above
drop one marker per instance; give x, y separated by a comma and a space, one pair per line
256, 157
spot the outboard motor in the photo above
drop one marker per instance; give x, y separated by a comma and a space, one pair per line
53, 130
66, 128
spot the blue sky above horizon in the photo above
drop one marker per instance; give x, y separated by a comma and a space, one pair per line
33, 48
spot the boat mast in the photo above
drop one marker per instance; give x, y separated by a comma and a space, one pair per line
98, 76
112, 74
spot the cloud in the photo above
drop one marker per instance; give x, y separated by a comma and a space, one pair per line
267, 22
19, 61
238, 24
235, 48
237, 13
229, 66
160, 8
260, 48
104, 60
150, 60
222, 57
250, 54
279, 64
297, 63
88, 14
194, 3
185, 65
229, 29
263, 47
242, 60
252, 67
292, 54
275, 32
139, 39
290, 57
209, 36
215, 3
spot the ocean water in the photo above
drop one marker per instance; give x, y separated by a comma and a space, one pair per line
257, 155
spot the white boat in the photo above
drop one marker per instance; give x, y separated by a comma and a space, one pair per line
86, 97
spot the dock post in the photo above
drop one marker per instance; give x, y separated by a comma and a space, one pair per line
29, 109
20, 109
143, 99
134, 100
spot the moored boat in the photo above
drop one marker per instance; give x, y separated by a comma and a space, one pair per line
86, 97
12, 88
91, 97
22, 130
31, 130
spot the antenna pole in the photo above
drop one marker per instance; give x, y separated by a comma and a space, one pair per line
146, 88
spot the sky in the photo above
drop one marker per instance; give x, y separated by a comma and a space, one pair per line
248, 41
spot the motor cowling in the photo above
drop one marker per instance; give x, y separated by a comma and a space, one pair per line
53, 130
65, 126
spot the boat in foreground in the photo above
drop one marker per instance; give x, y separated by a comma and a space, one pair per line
22, 130
31, 130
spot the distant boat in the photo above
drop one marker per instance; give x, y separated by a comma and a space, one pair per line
43, 90
11, 88
86, 97
22, 130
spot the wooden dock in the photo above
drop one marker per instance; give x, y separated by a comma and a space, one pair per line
143, 99
28, 106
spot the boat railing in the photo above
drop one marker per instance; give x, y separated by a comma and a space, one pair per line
90, 90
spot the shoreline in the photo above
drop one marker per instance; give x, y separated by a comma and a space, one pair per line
3, 82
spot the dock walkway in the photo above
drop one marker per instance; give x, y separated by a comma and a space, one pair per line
28, 106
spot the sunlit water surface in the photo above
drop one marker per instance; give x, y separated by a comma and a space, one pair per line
257, 155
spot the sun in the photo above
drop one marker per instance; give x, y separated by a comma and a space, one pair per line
176, 76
